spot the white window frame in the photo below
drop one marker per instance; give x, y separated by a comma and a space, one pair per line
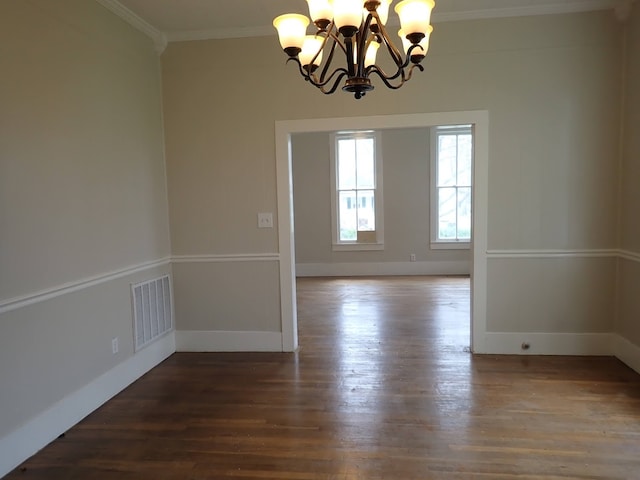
337, 244
436, 243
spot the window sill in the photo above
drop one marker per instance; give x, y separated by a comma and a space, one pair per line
355, 247
450, 245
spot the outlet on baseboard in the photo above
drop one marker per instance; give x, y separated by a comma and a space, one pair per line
114, 345
412, 257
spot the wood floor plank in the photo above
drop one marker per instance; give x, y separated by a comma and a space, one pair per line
381, 388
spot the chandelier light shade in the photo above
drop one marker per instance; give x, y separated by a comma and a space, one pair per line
348, 37
292, 29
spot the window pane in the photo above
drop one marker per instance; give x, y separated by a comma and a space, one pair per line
365, 163
347, 216
346, 164
366, 211
447, 213
464, 213
447, 169
465, 152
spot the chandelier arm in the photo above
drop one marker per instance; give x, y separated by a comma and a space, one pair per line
363, 40
407, 60
332, 32
329, 58
303, 72
319, 82
335, 83
336, 39
410, 51
386, 80
400, 72
405, 75
350, 66
393, 50
325, 36
370, 38
382, 74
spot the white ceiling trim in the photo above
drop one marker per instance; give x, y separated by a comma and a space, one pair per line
159, 38
219, 33
549, 9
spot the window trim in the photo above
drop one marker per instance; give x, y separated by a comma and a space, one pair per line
342, 246
435, 243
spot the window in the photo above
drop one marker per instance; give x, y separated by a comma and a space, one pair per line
356, 181
451, 186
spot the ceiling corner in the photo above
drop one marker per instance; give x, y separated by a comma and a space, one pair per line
115, 7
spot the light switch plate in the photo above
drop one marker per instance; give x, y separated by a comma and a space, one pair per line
265, 220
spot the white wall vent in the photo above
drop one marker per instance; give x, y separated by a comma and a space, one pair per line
152, 310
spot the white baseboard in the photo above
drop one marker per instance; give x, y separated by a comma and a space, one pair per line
225, 341
596, 344
627, 352
24, 442
360, 269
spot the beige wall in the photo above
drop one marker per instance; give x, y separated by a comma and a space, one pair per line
83, 190
628, 324
551, 85
630, 195
237, 296
82, 195
544, 295
406, 173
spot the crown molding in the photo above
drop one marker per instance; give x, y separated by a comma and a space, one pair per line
159, 38
525, 11
622, 9
221, 33
438, 17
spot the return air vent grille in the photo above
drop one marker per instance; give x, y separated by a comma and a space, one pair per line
152, 310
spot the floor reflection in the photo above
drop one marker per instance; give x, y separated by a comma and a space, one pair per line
381, 388
400, 366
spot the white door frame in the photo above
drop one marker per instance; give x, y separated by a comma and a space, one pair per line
283, 132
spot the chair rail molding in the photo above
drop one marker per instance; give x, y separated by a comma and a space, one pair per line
235, 257
554, 253
25, 300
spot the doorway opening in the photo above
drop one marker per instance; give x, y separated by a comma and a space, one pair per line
284, 132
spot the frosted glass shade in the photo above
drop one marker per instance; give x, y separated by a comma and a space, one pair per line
320, 10
292, 29
310, 47
347, 13
383, 12
370, 57
415, 15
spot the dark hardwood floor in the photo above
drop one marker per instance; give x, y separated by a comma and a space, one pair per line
381, 388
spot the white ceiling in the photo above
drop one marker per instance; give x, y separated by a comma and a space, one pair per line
200, 19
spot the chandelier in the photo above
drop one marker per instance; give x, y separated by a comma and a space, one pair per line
355, 29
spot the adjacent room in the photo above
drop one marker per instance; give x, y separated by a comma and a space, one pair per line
175, 194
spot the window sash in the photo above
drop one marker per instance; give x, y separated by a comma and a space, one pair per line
451, 185
356, 185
